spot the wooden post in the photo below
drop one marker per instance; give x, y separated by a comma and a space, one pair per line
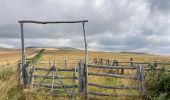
85, 65
81, 78
24, 66
53, 75
52, 83
65, 62
73, 91
122, 70
95, 61
32, 77
101, 61
140, 78
108, 62
131, 61
20, 74
49, 64
155, 64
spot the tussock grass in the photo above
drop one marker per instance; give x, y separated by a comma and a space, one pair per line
5, 74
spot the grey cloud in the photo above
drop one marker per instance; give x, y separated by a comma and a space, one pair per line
107, 16
162, 6
124, 25
9, 31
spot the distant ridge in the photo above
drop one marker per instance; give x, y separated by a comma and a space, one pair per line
8, 49
142, 53
59, 48
67, 48
71, 48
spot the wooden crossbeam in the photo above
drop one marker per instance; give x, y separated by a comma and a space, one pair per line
113, 87
51, 22
51, 77
59, 69
112, 75
113, 95
110, 67
55, 86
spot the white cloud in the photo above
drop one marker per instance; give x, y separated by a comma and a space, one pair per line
4, 45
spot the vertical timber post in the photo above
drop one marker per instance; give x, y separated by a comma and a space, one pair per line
140, 78
131, 61
85, 64
32, 77
65, 62
49, 63
24, 67
81, 77
73, 91
155, 64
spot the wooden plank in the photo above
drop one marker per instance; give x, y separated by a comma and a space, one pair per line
55, 95
110, 67
113, 95
161, 63
168, 70
129, 62
59, 69
51, 22
112, 75
148, 69
73, 90
166, 63
68, 59
58, 63
55, 86
51, 77
38, 82
113, 87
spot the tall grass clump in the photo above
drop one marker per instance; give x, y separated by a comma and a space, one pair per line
157, 85
5, 74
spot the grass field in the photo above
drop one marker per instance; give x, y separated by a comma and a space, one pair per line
10, 90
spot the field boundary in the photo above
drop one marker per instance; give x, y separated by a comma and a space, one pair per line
82, 77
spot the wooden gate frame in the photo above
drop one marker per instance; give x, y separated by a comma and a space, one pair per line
139, 77
24, 68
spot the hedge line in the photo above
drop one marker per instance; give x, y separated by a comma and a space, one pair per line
35, 59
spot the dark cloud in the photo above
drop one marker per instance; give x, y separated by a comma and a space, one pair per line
162, 6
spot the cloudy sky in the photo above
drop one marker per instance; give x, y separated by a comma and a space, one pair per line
114, 25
